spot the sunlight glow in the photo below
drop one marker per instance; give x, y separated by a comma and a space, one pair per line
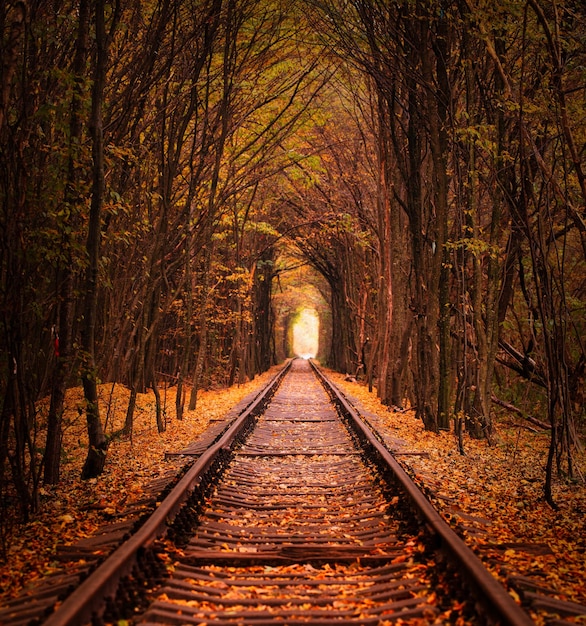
306, 334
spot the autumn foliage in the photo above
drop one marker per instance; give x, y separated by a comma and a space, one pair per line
180, 180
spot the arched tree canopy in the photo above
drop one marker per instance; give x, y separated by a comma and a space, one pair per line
181, 178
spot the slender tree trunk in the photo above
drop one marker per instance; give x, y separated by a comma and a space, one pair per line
339, 358
490, 324
203, 329
439, 276
236, 361
201, 352
263, 315
129, 420
161, 425
186, 348
64, 336
386, 321
63, 350
425, 356
98, 443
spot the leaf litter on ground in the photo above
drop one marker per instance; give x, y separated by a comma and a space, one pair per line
75, 509
492, 495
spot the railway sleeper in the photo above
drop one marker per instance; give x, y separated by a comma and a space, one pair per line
292, 578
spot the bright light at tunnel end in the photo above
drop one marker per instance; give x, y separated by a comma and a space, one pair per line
306, 334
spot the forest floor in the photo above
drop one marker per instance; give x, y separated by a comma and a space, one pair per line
493, 495
494, 491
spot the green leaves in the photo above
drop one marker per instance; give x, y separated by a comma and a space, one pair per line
476, 246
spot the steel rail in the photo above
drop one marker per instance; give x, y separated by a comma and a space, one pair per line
88, 598
488, 591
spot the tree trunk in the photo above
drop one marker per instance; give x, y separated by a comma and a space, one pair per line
424, 299
129, 421
386, 321
203, 329
63, 350
161, 425
64, 336
439, 275
186, 347
263, 314
339, 358
201, 353
98, 444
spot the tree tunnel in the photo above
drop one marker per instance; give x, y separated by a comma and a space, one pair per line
351, 171
302, 312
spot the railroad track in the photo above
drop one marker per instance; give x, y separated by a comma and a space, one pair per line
293, 512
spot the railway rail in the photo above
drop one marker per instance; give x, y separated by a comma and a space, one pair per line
292, 512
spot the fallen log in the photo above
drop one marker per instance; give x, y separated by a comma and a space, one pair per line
517, 411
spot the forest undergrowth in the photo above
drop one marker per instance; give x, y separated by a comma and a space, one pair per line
494, 491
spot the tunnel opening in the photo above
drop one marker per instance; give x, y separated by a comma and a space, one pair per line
305, 330
301, 311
